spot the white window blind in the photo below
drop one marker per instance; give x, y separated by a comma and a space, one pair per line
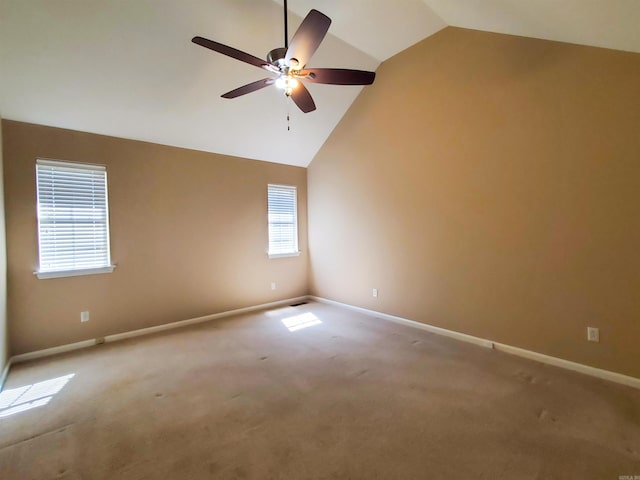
73, 218
283, 220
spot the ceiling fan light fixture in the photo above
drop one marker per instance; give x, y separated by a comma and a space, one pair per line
286, 83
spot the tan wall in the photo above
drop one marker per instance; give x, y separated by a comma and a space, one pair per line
188, 235
490, 184
4, 337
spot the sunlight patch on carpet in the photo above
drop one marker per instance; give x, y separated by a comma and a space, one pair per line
298, 322
21, 399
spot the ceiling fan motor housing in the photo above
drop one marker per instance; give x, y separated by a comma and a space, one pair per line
276, 57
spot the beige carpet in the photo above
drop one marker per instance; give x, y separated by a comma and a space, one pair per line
353, 397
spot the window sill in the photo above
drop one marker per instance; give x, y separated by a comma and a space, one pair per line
284, 255
74, 273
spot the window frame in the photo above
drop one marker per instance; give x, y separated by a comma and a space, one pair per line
58, 273
296, 251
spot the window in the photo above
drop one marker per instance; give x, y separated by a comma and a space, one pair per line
73, 219
283, 221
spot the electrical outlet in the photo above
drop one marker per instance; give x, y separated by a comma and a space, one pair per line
593, 334
84, 316
374, 292
273, 285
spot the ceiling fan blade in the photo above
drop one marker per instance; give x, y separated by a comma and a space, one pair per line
251, 87
307, 39
337, 76
302, 98
230, 52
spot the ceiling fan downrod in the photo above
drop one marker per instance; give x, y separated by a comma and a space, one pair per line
286, 27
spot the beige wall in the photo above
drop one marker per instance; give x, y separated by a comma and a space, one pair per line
4, 337
188, 235
490, 184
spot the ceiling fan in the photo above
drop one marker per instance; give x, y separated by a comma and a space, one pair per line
288, 63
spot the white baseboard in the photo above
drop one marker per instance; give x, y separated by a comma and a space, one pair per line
47, 352
23, 357
569, 365
521, 352
411, 323
539, 357
206, 318
5, 374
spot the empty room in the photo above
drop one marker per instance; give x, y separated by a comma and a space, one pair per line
341, 239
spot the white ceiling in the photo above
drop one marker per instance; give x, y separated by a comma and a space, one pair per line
380, 28
600, 23
127, 68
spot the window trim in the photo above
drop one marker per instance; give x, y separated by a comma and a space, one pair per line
74, 273
296, 252
284, 255
81, 271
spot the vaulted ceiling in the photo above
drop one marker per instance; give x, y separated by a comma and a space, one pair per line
128, 68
